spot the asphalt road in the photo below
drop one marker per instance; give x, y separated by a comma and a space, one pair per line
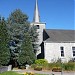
45, 72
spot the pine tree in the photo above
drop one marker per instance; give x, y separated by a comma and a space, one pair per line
4, 39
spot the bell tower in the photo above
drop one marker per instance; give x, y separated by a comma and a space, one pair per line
40, 26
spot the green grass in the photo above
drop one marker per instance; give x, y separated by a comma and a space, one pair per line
10, 73
14, 73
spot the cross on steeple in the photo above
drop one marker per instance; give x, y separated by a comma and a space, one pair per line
36, 13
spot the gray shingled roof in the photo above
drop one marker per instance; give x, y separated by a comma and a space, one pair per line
60, 35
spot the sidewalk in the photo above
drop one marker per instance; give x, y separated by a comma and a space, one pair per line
44, 72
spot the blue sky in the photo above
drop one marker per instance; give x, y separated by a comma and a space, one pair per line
57, 14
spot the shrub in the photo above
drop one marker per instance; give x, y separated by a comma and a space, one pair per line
69, 66
57, 69
38, 68
41, 62
33, 65
52, 65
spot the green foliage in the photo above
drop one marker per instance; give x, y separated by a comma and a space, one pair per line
56, 69
69, 66
21, 38
17, 17
34, 37
26, 56
38, 68
4, 39
41, 62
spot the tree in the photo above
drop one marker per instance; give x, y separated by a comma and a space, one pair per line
19, 30
17, 17
34, 36
26, 56
4, 39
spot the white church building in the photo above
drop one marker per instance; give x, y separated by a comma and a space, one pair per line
54, 44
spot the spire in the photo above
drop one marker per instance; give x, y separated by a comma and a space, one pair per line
36, 13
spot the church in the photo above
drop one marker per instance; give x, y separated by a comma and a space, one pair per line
54, 44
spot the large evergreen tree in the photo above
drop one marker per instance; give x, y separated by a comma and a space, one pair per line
21, 41
26, 56
34, 36
4, 39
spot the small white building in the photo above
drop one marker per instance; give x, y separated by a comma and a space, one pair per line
54, 44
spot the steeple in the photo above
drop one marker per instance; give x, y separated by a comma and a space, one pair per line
36, 13
39, 25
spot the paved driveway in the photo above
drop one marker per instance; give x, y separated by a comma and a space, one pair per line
45, 72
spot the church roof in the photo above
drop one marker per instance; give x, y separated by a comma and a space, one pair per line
55, 35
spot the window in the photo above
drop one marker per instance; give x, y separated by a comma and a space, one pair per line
73, 49
62, 51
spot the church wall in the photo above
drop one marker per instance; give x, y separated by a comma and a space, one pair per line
40, 34
52, 51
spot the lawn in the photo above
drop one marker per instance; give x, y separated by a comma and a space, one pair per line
14, 73
10, 73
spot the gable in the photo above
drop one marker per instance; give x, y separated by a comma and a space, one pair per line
45, 35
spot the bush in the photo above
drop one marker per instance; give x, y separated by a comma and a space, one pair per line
56, 69
33, 65
41, 62
38, 68
69, 66
52, 65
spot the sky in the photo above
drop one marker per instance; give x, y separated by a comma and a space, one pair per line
57, 14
